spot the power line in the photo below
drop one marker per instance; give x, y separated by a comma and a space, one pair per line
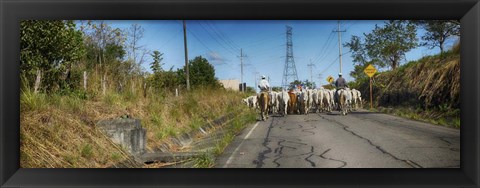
326, 45
354, 22
223, 36
256, 43
229, 50
326, 54
203, 44
215, 32
170, 39
333, 62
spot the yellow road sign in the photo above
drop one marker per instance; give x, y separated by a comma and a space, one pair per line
370, 70
329, 79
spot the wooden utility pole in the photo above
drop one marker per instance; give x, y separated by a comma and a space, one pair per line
340, 44
255, 86
187, 75
241, 68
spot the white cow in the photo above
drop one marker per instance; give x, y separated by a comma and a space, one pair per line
302, 100
251, 101
282, 101
310, 94
273, 105
349, 99
354, 99
323, 100
315, 99
332, 102
245, 101
359, 98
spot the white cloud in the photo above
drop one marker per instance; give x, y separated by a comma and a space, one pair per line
216, 58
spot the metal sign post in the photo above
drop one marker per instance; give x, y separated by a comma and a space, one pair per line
370, 71
371, 98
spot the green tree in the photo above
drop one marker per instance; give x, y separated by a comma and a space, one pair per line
358, 71
295, 83
135, 34
98, 37
438, 31
310, 85
202, 73
276, 88
114, 52
156, 65
164, 80
48, 49
250, 90
385, 45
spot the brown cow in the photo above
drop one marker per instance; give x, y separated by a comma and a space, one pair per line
292, 103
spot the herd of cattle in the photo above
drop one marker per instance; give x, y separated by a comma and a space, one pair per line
308, 100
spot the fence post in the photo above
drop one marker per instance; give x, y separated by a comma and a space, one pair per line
145, 90
85, 80
104, 84
37, 81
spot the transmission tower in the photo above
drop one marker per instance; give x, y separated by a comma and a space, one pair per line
290, 71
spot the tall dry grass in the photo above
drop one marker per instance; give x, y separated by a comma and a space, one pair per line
58, 130
428, 88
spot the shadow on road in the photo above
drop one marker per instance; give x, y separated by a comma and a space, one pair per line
335, 113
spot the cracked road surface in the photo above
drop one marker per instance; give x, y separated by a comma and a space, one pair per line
361, 139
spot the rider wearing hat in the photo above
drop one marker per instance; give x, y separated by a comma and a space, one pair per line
263, 85
264, 88
340, 83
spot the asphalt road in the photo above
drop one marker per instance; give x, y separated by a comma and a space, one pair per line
361, 139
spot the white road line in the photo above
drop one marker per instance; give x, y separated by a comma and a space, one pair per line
251, 130
236, 149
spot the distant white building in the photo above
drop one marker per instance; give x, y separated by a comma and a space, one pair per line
230, 84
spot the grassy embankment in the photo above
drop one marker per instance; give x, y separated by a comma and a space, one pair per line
427, 89
58, 130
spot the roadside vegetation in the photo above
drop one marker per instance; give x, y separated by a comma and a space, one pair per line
75, 73
67, 89
427, 89
230, 130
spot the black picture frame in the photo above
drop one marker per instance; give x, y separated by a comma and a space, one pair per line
11, 11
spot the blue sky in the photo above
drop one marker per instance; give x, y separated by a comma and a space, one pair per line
264, 44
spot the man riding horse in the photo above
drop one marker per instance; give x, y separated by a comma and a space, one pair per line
263, 100
340, 84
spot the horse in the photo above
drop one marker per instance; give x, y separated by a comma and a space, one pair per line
263, 103
342, 101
